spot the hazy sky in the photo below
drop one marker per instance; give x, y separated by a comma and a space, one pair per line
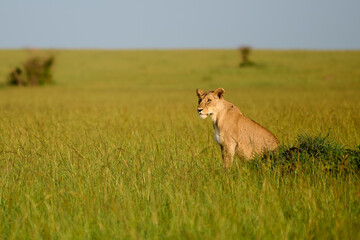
315, 24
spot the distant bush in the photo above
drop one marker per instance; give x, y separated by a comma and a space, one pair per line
244, 53
35, 71
311, 154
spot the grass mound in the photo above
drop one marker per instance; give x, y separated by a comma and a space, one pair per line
313, 153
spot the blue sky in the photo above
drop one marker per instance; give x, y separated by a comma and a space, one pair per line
275, 24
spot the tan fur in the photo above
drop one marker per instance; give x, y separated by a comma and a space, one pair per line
235, 133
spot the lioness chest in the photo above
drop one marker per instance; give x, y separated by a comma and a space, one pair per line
217, 135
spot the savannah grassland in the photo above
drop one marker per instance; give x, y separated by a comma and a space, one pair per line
115, 149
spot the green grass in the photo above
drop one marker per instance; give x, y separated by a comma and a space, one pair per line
115, 148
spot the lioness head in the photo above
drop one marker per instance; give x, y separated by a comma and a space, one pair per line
208, 101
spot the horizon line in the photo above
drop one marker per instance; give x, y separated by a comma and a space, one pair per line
171, 49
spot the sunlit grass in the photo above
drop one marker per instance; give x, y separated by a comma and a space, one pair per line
115, 148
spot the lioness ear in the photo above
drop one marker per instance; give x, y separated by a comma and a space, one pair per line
219, 92
199, 92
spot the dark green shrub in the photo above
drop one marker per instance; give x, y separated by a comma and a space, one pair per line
16, 77
310, 154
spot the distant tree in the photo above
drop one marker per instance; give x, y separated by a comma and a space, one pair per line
245, 52
35, 71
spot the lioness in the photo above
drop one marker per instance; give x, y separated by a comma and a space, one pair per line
234, 132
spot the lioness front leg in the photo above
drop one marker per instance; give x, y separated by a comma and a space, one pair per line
228, 153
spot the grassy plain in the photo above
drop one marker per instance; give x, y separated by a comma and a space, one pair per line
115, 148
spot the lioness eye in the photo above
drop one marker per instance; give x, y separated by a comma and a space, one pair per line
209, 100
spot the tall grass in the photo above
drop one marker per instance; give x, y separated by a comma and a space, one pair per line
116, 150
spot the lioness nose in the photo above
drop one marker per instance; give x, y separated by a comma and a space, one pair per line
200, 109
